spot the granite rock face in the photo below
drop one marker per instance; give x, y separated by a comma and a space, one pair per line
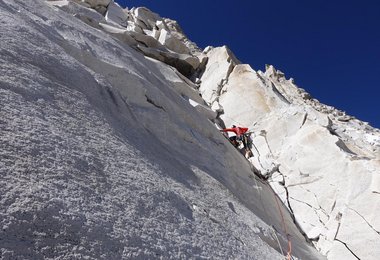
323, 163
156, 37
110, 150
108, 153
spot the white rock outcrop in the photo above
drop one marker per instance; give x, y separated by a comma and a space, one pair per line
172, 43
110, 150
221, 62
316, 157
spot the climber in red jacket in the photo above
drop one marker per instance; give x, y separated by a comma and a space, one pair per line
239, 131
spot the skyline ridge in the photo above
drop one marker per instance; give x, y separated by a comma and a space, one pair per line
329, 49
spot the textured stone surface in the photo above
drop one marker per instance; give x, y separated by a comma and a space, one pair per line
95, 3
323, 167
116, 15
220, 64
147, 17
172, 43
71, 146
103, 157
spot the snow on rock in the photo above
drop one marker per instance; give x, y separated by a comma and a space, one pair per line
103, 157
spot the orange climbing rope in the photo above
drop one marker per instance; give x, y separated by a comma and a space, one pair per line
289, 252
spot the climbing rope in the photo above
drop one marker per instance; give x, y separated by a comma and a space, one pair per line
289, 252
288, 255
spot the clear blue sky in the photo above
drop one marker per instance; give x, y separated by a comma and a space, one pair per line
331, 48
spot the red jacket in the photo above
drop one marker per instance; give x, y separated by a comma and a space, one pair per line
237, 130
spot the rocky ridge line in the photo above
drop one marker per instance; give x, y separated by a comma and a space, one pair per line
143, 30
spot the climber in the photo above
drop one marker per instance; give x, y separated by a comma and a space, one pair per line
239, 136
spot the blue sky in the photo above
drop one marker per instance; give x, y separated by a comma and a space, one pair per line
330, 48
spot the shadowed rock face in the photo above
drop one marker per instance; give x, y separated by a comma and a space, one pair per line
108, 151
